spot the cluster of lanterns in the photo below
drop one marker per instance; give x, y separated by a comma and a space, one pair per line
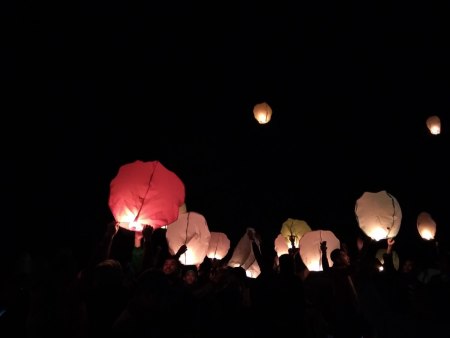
147, 193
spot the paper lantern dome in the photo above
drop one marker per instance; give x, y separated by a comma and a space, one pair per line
292, 230
219, 244
434, 125
244, 257
145, 193
310, 248
281, 246
426, 226
379, 215
262, 113
189, 229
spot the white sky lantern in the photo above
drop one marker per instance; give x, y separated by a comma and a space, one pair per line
310, 248
281, 246
262, 113
379, 215
192, 230
434, 125
219, 244
426, 226
292, 230
243, 256
395, 258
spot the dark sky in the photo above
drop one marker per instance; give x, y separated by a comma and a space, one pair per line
94, 85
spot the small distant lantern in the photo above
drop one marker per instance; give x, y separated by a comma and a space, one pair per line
310, 248
395, 258
434, 125
219, 244
281, 246
426, 226
262, 113
379, 215
293, 230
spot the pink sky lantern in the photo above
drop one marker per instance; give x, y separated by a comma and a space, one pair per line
219, 245
189, 229
145, 193
434, 125
244, 257
379, 215
310, 248
281, 246
292, 230
426, 226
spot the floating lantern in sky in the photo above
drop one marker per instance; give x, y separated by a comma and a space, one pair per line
219, 244
145, 193
395, 258
262, 113
378, 214
292, 230
244, 257
426, 226
434, 125
310, 248
189, 229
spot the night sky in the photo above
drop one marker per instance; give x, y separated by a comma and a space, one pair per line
90, 86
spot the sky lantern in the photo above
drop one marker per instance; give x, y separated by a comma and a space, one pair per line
244, 257
219, 244
145, 193
281, 246
379, 215
262, 113
395, 258
189, 229
292, 230
426, 226
310, 248
434, 125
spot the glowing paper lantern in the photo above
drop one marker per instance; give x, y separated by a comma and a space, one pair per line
281, 247
434, 125
310, 248
219, 244
426, 226
395, 258
145, 193
244, 257
378, 214
189, 229
292, 230
262, 113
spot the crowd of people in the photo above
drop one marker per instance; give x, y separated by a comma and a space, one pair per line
152, 294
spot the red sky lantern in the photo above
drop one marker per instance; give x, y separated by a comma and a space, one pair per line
145, 193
